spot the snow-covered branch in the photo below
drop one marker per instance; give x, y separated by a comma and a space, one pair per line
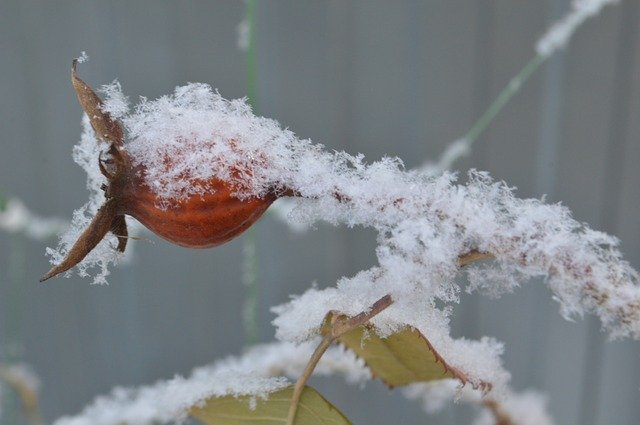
424, 223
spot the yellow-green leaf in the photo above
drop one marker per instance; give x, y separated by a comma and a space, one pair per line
312, 410
402, 358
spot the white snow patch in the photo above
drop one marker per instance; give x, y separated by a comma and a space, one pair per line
558, 35
115, 103
525, 408
83, 57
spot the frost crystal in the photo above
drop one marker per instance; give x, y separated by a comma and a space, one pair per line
83, 57
116, 103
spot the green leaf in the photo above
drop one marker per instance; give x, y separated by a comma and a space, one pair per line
312, 410
402, 358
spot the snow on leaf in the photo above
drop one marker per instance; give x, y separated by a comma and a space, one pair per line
255, 374
314, 410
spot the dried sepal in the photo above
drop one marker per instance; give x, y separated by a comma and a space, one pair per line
93, 234
107, 218
107, 129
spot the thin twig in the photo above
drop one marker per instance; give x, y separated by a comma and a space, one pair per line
251, 308
504, 97
326, 342
339, 326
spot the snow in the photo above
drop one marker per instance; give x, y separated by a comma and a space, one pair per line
83, 57
525, 408
436, 395
558, 35
170, 401
455, 150
116, 103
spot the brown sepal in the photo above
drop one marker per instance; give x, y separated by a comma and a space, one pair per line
107, 129
98, 228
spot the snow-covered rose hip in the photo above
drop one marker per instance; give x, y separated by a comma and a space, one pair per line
209, 216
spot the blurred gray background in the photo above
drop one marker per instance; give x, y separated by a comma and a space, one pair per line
377, 77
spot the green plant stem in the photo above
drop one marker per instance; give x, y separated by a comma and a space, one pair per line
503, 98
252, 69
250, 250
